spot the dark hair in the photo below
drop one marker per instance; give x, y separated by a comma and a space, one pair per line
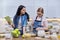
40, 10
19, 12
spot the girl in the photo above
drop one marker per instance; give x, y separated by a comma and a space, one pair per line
21, 18
40, 22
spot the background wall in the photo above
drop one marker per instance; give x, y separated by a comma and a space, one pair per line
51, 7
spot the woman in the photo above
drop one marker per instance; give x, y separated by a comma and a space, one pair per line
21, 18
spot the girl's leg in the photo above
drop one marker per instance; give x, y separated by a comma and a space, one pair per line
34, 30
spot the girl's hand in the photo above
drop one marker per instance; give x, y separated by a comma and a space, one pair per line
43, 28
39, 28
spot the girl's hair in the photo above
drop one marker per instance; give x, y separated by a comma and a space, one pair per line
40, 10
19, 12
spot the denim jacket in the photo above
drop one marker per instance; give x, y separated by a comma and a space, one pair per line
23, 21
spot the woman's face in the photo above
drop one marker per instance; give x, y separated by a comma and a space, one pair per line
23, 11
40, 14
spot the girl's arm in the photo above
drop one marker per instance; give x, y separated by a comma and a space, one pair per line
45, 24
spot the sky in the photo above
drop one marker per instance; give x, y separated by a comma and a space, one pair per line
51, 7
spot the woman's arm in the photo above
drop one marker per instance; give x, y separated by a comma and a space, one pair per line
24, 30
24, 25
15, 22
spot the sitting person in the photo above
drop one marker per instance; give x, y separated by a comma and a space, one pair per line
20, 19
40, 22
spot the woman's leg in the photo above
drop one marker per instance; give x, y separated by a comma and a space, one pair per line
21, 31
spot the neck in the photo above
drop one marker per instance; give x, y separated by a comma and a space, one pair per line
39, 16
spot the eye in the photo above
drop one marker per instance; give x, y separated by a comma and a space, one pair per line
23, 10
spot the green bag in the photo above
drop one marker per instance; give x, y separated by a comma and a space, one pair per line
8, 19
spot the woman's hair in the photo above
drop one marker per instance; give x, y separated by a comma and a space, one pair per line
19, 12
40, 10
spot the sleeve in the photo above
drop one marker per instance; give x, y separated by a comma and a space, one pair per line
25, 21
15, 22
44, 22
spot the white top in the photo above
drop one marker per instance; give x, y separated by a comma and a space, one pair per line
20, 20
38, 18
19, 25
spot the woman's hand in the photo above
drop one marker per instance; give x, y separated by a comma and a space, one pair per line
12, 25
24, 30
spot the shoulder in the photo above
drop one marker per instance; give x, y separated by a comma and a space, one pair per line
16, 17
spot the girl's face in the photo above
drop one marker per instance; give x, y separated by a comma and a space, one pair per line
23, 11
40, 14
